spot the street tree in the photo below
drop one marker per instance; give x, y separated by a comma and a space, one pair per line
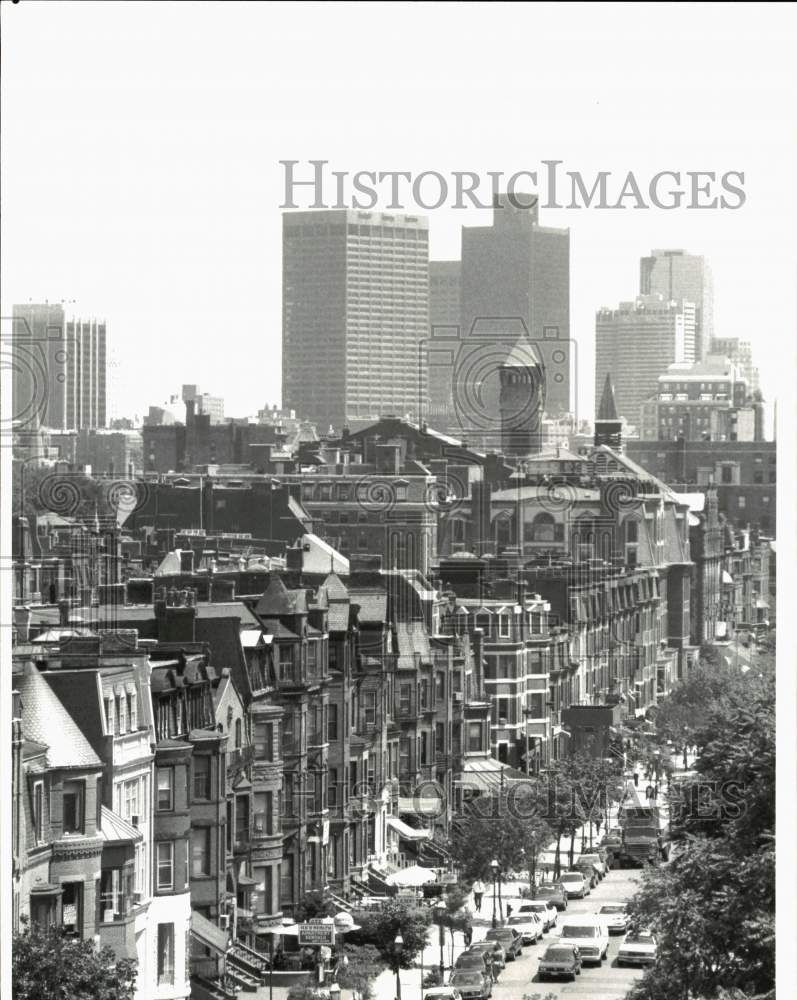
382, 929
48, 965
358, 968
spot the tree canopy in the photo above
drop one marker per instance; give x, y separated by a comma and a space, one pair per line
48, 965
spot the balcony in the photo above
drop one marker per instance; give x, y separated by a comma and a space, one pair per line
238, 759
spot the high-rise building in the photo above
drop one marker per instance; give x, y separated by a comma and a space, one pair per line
445, 285
741, 353
355, 307
676, 274
517, 269
636, 342
60, 369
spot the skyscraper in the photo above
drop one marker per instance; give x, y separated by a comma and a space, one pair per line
59, 369
355, 306
741, 353
676, 274
445, 285
518, 269
635, 343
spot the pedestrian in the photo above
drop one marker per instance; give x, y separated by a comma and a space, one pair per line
508, 911
478, 893
468, 935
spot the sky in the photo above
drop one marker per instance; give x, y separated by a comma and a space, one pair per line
141, 149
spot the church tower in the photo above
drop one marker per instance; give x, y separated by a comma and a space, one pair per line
608, 428
521, 402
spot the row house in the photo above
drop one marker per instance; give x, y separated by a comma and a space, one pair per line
102, 681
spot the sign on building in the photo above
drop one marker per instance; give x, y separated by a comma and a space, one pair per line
316, 933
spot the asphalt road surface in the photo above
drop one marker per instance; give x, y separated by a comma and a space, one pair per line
605, 982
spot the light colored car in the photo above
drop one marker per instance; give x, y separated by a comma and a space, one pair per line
588, 934
638, 948
528, 925
615, 916
472, 984
544, 909
443, 993
576, 885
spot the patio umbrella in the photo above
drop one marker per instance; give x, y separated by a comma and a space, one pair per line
412, 876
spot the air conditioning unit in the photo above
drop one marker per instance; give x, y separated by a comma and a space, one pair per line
224, 921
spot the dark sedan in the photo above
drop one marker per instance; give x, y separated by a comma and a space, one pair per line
560, 961
555, 893
509, 939
479, 960
472, 984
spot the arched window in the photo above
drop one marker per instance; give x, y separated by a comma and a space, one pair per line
238, 734
543, 528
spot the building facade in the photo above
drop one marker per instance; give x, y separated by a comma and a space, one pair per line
676, 274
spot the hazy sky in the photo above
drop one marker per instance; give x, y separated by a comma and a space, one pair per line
141, 147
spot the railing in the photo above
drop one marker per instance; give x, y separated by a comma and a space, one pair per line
239, 758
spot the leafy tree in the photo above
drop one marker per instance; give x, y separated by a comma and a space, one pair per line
713, 905
381, 929
315, 904
48, 965
357, 970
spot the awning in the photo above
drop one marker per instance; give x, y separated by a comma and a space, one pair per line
46, 889
208, 933
761, 602
405, 831
486, 774
115, 830
726, 577
246, 880
418, 805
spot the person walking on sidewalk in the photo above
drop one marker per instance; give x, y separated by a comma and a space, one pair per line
478, 893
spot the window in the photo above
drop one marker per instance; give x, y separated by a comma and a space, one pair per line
333, 788
122, 704
73, 807
727, 474
332, 723
165, 865
38, 811
370, 708
117, 721
312, 655
264, 740
165, 789
631, 530
474, 736
131, 799
132, 711
404, 755
405, 698
542, 529
165, 954
440, 686
440, 737
201, 777
200, 850
504, 628
109, 715
742, 503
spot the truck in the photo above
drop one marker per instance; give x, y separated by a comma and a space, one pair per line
643, 838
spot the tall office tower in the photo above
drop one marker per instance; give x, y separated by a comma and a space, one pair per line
518, 269
355, 306
676, 274
445, 283
741, 353
635, 343
60, 369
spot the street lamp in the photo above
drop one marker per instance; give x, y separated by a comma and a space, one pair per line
440, 910
495, 868
398, 947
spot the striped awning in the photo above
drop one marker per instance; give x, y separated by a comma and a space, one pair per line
405, 831
208, 933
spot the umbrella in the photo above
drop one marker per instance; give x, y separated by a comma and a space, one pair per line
412, 876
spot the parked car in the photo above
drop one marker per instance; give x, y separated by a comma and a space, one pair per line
615, 916
545, 909
443, 993
597, 862
528, 925
612, 840
493, 953
560, 961
475, 959
472, 984
509, 939
555, 893
576, 885
638, 948
589, 871
588, 935
604, 854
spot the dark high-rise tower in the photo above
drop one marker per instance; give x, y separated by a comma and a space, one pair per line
517, 269
355, 306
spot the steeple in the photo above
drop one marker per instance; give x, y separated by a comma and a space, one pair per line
608, 427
